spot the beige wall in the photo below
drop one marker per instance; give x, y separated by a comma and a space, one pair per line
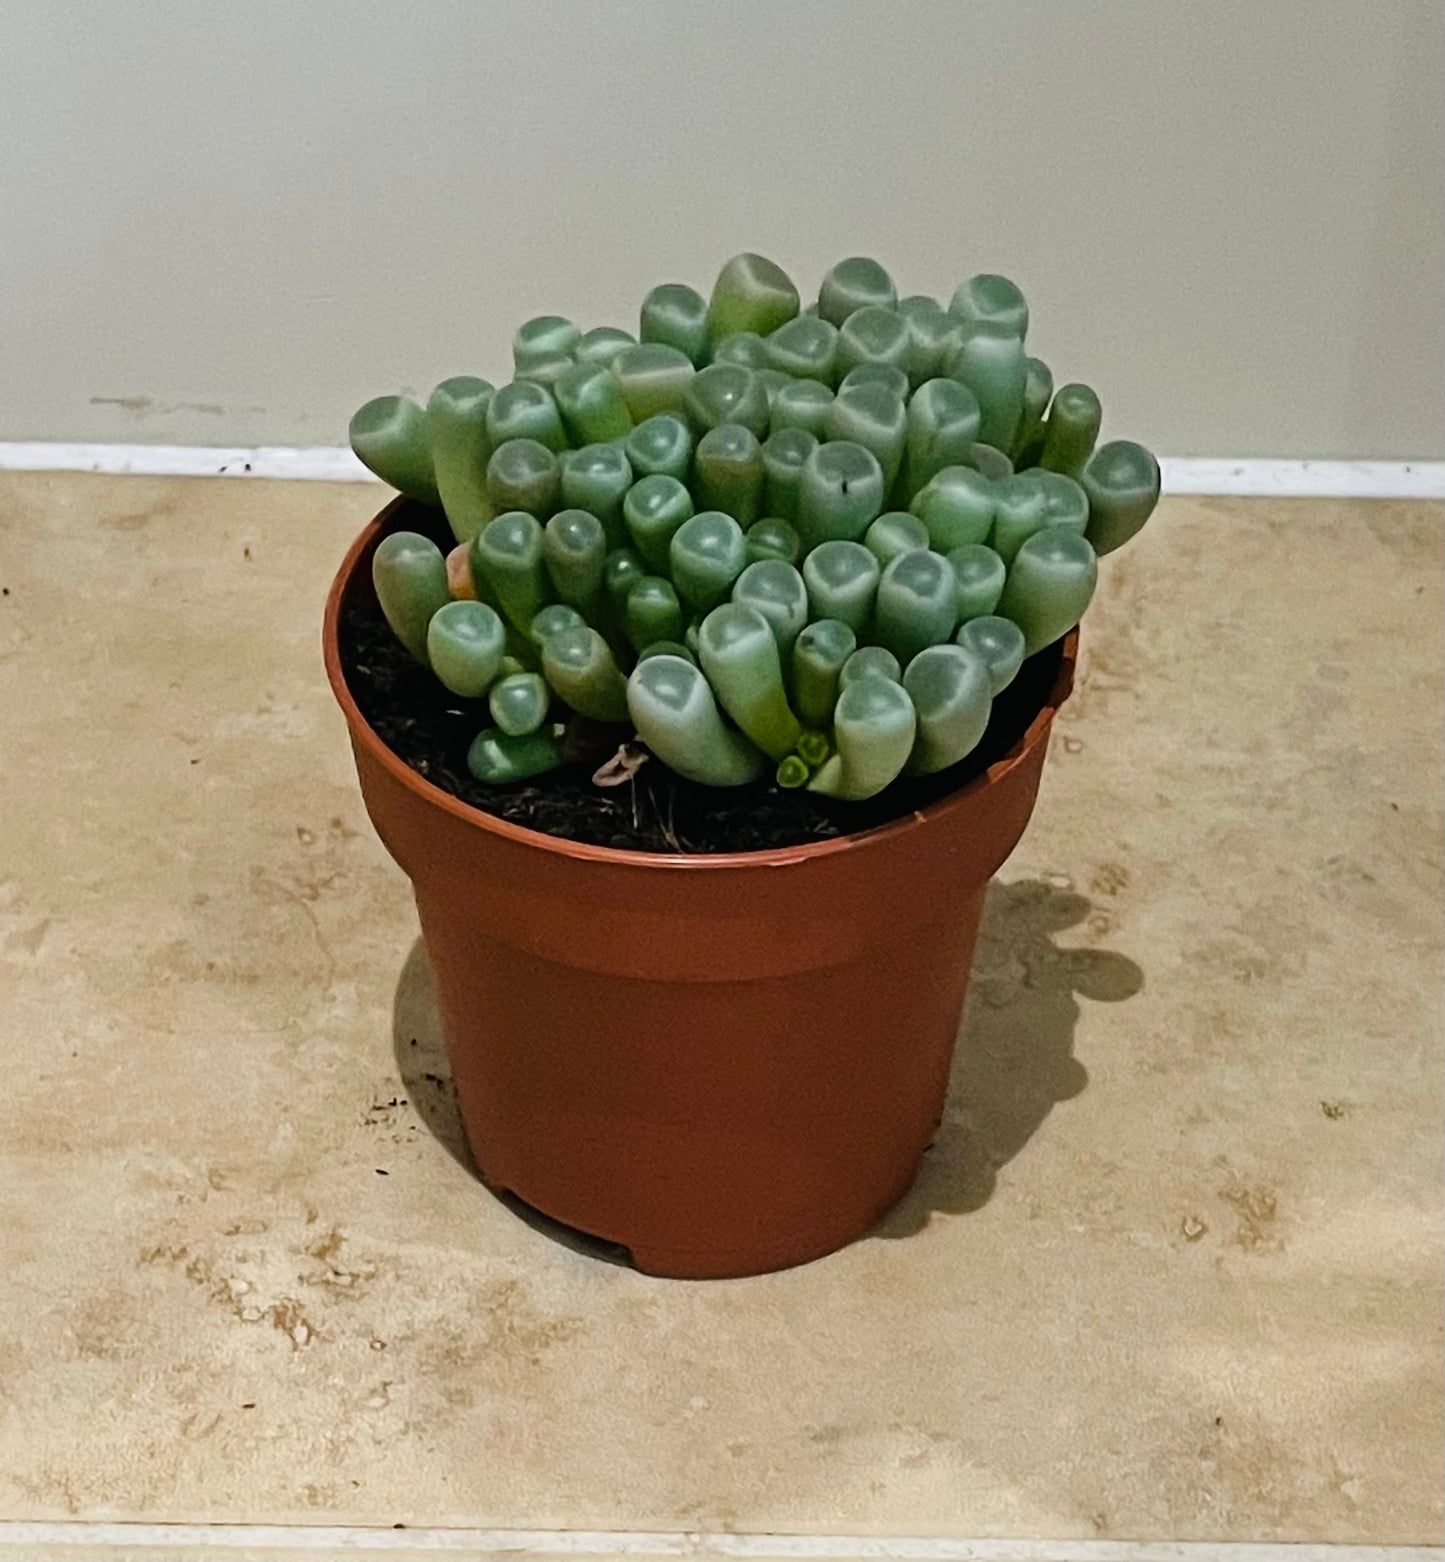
229, 223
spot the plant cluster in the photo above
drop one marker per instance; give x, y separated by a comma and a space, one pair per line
814, 540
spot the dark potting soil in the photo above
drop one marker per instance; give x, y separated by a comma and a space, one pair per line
430, 729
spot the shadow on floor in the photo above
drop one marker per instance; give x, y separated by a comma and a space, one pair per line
421, 1055
1015, 1059
421, 1060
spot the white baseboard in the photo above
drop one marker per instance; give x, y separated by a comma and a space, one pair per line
1305, 479
110, 1542
325, 463
320, 463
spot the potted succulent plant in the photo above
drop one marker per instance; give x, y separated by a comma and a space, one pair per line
700, 681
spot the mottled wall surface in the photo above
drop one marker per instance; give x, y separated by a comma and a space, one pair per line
226, 226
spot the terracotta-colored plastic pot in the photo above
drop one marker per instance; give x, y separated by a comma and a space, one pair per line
726, 1064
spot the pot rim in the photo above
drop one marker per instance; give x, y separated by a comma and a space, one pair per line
776, 857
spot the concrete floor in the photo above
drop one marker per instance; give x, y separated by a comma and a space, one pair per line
1173, 1270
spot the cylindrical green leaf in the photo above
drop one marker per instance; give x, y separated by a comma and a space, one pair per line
654, 509
992, 463
574, 546
854, 284
744, 347
740, 656
602, 344
508, 553
728, 472
1020, 509
772, 381
653, 377
523, 475
917, 604
1065, 502
813, 748
456, 419
1071, 430
1049, 585
840, 493
957, 506
596, 478
673, 709
726, 393
885, 375
389, 435
519, 704
842, 579
1000, 642
621, 570
578, 663
874, 726
871, 416
553, 620
525, 410
661, 444
465, 583
542, 337
783, 454
870, 661
803, 405
1031, 500
872, 335
706, 555
806, 348
653, 612
952, 693
751, 293
465, 644
546, 370
932, 335
409, 575
496, 759
793, 772
675, 315
777, 591
592, 405
989, 359
893, 533
819, 655
979, 574
943, 423
1038, 390
1122, 484
773, 538
994, 299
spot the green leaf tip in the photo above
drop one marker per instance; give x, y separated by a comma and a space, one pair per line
497, 759
793, 772
676, 715
389, 436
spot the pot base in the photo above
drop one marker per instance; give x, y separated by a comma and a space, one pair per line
786, 1250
